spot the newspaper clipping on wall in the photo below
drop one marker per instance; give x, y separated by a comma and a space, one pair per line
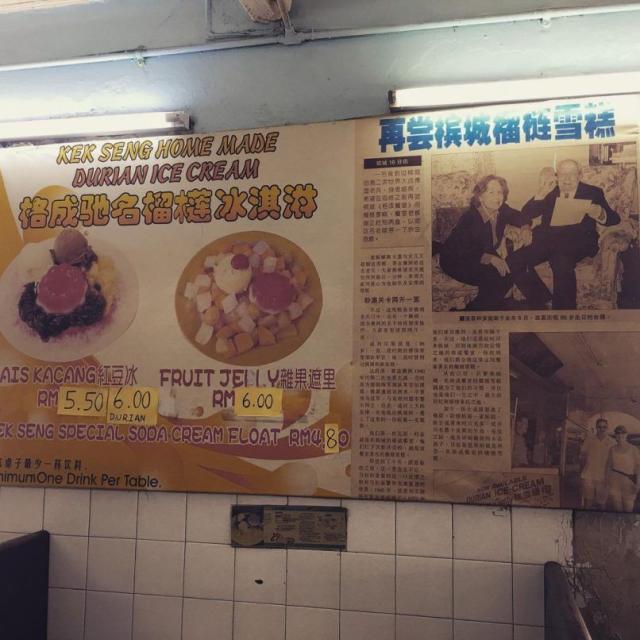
498, 262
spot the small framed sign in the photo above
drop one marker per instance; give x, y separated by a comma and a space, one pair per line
277, 527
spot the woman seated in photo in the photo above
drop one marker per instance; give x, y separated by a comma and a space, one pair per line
475, 252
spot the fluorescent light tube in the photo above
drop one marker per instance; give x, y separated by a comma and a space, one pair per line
479, 93
87, 126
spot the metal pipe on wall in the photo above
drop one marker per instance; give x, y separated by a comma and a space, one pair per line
294, 37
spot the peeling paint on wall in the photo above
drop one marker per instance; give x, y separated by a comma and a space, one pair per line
607, 573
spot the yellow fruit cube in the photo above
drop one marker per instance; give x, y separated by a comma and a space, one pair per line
243, 342
265, 337
211, 315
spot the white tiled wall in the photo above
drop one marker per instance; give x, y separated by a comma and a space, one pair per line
158, 566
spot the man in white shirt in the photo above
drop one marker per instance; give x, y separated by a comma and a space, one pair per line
593, 460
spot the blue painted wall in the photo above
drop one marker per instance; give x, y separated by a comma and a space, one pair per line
323, 80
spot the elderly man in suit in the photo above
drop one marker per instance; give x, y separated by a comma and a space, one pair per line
564, 246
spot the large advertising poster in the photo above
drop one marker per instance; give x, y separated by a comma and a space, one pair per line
434, 306
195, 266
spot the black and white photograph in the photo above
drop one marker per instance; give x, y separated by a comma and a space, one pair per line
575, 413
553, 228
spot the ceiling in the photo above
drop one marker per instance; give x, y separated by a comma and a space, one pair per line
92, 28
353, 14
